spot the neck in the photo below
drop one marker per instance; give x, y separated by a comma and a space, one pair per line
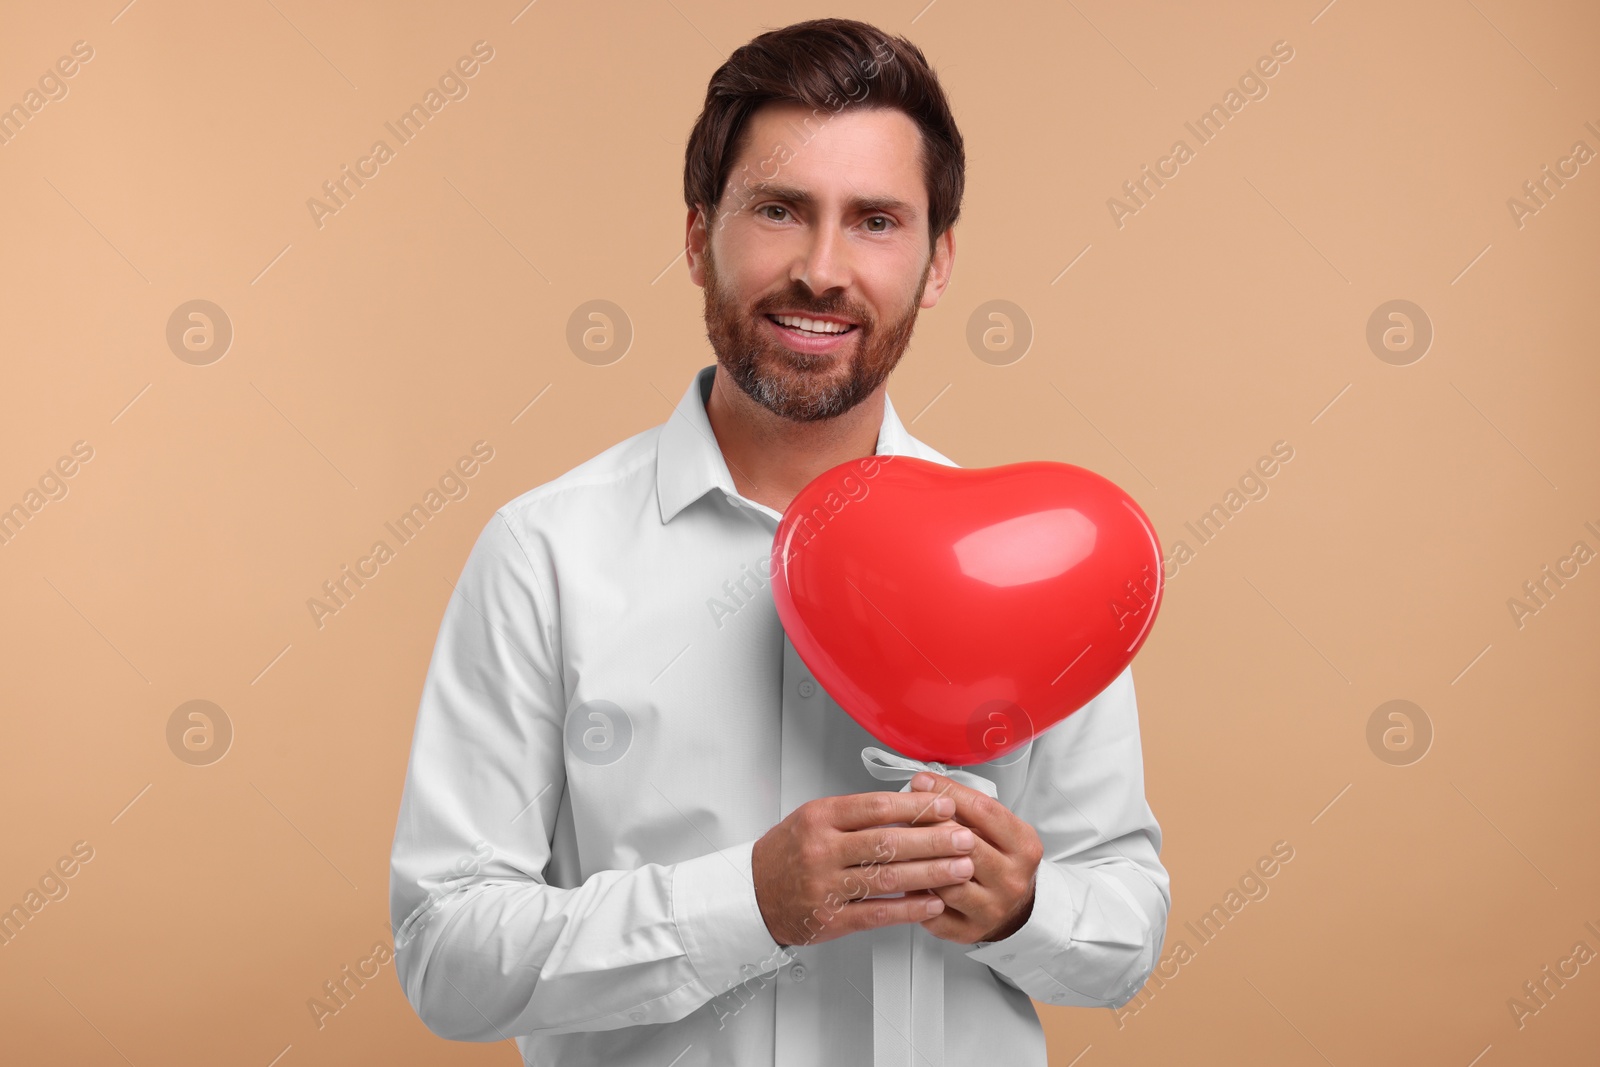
772, 458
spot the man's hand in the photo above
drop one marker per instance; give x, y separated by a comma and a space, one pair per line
813, 870
997, 900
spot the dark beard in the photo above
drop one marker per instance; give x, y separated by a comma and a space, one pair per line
800, 387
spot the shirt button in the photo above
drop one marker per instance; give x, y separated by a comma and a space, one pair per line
1008, 957
798, 972
806, 688
636, 1016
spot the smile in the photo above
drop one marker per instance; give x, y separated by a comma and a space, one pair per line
813, 327
811, 337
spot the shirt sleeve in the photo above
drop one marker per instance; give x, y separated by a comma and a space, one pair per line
1101, 894
485, 949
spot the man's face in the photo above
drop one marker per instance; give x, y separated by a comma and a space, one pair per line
824, 216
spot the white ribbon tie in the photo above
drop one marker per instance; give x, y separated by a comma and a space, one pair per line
907, 961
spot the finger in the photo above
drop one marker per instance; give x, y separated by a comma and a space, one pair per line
993, 820
885, 878
989, 864
960, 924
964, 898
857, 811
887, 911
951, 925
894, 844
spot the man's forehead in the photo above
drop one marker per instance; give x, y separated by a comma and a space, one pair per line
791, 147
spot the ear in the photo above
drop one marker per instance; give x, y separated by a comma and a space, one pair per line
695, 240
943, 262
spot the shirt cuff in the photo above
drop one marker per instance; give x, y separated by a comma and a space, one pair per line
1038, 941
714, 908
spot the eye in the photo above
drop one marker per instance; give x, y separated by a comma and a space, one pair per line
881, 218
772, 207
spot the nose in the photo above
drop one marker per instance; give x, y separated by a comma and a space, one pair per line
825, 262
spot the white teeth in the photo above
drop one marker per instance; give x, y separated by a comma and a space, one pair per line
811, 325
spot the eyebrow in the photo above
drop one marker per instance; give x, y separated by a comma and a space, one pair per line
795, 195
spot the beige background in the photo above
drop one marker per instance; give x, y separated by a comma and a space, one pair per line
368, 354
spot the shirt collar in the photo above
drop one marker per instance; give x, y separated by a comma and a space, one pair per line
689, 462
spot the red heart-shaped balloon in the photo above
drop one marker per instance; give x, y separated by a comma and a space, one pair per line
956, 613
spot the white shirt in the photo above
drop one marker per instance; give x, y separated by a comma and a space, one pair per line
613, 715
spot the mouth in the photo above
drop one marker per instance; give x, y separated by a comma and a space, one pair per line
806, 334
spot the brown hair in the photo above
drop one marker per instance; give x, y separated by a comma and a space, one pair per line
830, 65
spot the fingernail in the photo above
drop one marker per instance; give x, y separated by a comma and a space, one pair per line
961, 868
921, 781
944, 806
935, 906
962, 838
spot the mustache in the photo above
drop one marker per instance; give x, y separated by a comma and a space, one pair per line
806, 307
